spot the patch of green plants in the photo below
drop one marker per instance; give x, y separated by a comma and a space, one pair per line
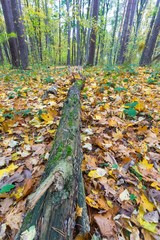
49, 79
130, 109
120, 89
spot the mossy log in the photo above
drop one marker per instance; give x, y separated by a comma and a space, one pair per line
52, 208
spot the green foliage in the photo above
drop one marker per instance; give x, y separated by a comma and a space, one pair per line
132, 197
25, 112
115, 166
120, 89
131, 105
49, 79
131, 112
153, 78
7, 188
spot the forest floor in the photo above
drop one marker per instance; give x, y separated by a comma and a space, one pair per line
120, 139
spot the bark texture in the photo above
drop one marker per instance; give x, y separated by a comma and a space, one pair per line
52, 208
92, 46
13, 44
151, 39
127, 27
18, 23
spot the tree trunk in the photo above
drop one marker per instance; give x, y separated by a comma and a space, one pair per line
114, 34
60, 33
78, 7
1, 56
13, 44
52, 208
151, 38
92, 46
6, 50
127, 27
19, 27
69, 33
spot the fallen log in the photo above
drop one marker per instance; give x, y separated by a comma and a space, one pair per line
52, 208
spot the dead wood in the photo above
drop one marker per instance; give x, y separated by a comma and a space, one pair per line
52, 208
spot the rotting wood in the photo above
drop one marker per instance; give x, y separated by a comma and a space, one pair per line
52, 208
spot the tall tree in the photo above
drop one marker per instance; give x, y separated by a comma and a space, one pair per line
92, 46
112, 50
151, 37
69, 33
19, 27
126, 31
13, 44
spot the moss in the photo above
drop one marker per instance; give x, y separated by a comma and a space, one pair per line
68, 150
26, 223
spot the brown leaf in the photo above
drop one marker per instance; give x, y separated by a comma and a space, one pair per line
106, 224
5, 204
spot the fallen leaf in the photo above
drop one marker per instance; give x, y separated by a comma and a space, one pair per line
106, 224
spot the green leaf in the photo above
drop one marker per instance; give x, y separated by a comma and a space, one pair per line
115, 166
131, 112
132, 197
132, 104
7, 188
119, 89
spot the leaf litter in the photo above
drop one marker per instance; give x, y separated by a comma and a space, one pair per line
120, 139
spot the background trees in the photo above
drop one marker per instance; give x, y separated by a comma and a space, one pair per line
76, 32
151, 37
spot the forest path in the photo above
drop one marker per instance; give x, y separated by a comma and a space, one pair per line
120, 139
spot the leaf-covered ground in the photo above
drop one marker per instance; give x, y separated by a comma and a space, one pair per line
120, 139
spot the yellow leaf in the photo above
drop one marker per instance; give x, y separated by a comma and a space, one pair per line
2, 119
110, 204
35, 122
7, 170
117, 135
92, 203
112, 122
19, 193
106, 106
146, 204
79, 211
99, 172
149, 226
155, 185
47, 117
140, 106
15, 156
144, 147
144, 164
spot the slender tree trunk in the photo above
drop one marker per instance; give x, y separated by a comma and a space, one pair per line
114, 34
127, 27
47, 37
69, 33
105, 9
97, 53
92, 46
1, 56
6, 50
151, 38
88, 31
78, 6
60, 33
23, 48
13, 44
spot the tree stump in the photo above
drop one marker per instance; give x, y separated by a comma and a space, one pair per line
52, 208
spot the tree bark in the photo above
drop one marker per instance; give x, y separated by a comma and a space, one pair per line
19, 27
52, 208
92, 46
69, 33
151, 39
127, 26
13, 44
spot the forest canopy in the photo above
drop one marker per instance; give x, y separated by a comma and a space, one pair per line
79, 32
